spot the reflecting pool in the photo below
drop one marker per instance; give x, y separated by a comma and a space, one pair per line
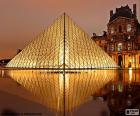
65, 93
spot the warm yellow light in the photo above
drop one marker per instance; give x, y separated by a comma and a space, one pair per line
48, 87
130, 74
62, 44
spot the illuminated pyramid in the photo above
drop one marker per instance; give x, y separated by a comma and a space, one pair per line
62, 45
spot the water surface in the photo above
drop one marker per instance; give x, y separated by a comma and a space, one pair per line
72, 92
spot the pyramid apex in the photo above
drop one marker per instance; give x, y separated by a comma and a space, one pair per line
65, 14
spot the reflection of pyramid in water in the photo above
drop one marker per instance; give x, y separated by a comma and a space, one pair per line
49, 87
63, 44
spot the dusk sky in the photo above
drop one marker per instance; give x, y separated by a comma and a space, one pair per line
22, 20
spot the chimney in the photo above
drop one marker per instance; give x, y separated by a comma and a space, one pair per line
135, 9
111, 13
117, 9
94, 35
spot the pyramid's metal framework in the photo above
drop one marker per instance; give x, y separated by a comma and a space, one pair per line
62, 45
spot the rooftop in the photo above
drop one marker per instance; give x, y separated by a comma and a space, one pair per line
123, 11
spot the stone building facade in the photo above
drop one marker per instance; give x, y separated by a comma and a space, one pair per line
122, 40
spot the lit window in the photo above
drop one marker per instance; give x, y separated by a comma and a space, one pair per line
129, 37
120, 47
129, 46
112, 30
128, 27
112, 47
120, 87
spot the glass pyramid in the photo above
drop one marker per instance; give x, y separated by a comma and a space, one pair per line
62, 45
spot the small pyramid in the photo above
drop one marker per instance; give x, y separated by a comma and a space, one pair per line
62, 45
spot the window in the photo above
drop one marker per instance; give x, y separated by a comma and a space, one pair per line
129, 37
112, 30
112, 47
138, 47
129, 46
128, 27
120, 29
119, 47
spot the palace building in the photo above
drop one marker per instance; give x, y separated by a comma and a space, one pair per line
122, 39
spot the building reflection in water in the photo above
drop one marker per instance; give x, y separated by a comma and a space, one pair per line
48, 86
2, 73
124, 92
